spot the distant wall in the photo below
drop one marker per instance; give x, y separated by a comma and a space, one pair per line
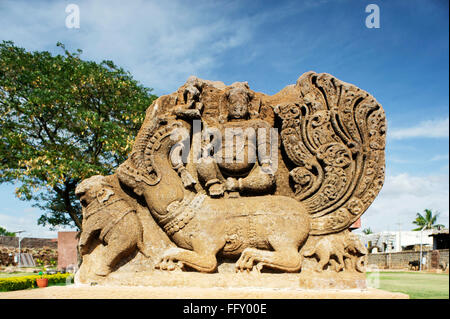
63, 249
28, 242
67, 249
46, 256
400, 260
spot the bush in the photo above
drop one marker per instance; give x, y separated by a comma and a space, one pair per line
26, 282
17, 283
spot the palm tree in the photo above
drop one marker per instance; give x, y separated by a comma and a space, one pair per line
428, 221
367, 231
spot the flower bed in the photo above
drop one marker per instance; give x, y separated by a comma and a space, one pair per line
41, 256
26, 282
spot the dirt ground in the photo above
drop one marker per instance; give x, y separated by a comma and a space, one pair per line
121, 292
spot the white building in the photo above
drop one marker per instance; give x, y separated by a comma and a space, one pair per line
395, 241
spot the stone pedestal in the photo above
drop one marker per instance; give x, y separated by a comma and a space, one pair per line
124, 292
303, 280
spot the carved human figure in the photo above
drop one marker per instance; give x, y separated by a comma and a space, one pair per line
108, 218
191, 106
243, 160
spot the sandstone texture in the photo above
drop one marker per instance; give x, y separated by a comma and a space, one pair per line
121, 292
224, 182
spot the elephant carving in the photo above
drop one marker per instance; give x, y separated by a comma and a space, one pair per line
107, 217
344, 250
356, 253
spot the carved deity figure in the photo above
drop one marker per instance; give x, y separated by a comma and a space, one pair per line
190, 107
238, 165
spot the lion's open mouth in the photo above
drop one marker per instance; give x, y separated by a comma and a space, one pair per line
82, 198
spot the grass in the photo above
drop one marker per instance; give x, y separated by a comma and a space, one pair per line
415, 284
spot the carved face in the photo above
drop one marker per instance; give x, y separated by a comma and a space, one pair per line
92, 189
87, 197
238, 100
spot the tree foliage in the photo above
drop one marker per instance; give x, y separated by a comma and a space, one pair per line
63, 119
367, 231
426, 221
4, 232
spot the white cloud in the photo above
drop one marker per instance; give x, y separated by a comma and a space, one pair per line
403, 196
161, 43
436, 158
429, 129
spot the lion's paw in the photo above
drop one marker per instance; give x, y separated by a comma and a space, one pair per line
169, 264
245, 263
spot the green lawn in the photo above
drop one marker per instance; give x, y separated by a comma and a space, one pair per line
416, 285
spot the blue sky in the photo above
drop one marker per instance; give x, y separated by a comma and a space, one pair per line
404, 64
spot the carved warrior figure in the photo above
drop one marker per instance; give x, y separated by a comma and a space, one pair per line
330, 167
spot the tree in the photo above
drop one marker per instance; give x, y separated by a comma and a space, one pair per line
427, 221
4, 232
367, 231
63, 119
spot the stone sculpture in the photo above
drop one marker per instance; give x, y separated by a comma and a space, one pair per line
109, 218
219, 172
341, 245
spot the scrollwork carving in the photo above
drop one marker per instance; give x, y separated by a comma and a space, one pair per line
334, 154
342, 128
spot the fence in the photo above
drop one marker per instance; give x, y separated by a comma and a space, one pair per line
28, 242
401, 260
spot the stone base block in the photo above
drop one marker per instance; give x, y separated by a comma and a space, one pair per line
303, 280
123, 292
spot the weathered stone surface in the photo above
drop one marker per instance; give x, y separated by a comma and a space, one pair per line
221, 174
305, 280
122, 292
